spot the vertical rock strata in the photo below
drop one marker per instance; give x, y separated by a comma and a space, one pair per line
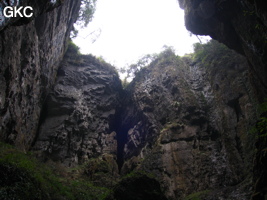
240, 24
79, 114
189, 123
29, 58
184, 120
38, 7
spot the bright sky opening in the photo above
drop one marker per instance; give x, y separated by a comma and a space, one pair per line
122, 31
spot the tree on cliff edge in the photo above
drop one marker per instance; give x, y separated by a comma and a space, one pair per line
86, 12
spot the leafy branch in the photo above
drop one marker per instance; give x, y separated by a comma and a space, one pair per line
86, 13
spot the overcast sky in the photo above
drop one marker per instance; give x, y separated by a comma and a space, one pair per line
129, 29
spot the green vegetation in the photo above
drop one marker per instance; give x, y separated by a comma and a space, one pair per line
74, 57
101, 171
212, 52
219, 60
86, 13
198, 195
24, 177
73, 51
167, 56
261, 126
73, 48
133, 69
102, 60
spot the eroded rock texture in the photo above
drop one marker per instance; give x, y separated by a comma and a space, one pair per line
29, 58
188, 124
38, 7
79, 114
241, 25
185, 121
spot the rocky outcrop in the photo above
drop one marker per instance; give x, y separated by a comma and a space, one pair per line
189, 123
79, 115
184, 121
29, 59
241, 25
36, 8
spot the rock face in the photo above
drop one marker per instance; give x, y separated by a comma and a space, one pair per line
185, 121
37, 9
29, 58
241, 25
78, 119
188, 124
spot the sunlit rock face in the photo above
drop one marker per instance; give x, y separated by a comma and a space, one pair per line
188, 124
241, 25
79, 113
29, 58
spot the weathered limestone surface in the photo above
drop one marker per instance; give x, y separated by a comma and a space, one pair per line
29, 59
38, 7
189, 126
182, 120
79, 114
240, 24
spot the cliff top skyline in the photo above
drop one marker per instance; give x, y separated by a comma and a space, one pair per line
124, 31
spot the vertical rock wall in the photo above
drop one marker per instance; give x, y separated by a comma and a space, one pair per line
29, 58
181, 120
190, 126
80, 112
241, 25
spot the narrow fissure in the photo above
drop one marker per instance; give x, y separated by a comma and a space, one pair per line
43, 116
122, 123
121, 141
121, 133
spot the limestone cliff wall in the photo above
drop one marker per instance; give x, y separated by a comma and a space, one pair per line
79, 117
184, 120
241, 25
29, 59
189, 124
